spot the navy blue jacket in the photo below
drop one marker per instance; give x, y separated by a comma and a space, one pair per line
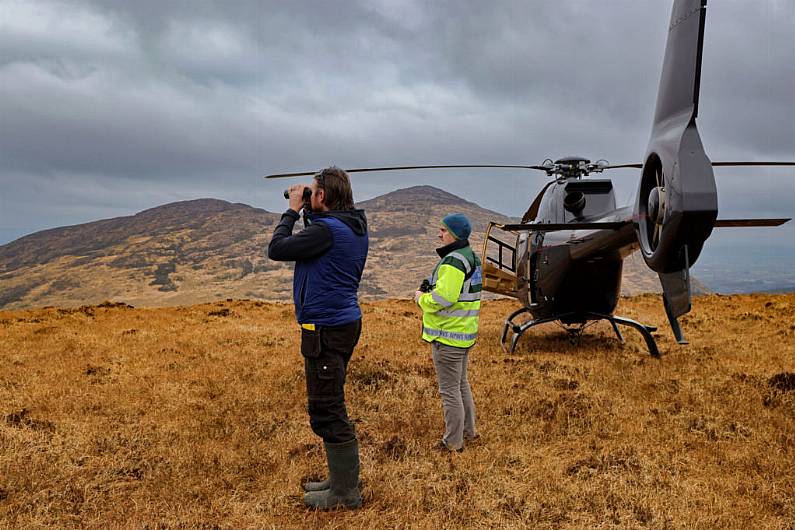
329, 256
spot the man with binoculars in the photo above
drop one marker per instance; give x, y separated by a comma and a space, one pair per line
329, 254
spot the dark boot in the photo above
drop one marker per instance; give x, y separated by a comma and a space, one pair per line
343, 469
317, 486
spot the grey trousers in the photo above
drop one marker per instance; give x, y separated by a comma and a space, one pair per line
459, 407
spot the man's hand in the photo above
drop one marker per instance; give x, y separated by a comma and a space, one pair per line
296, 192
417, 295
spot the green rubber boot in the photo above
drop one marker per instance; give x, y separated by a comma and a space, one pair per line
317, 486
343, 470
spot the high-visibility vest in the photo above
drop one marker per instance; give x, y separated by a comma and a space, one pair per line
450, 312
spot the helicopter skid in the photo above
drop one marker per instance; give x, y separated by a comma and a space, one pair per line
644, 330
518, 329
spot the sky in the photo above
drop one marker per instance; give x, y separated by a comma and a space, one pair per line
111, 107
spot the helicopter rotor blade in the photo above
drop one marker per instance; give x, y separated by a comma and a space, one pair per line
714, 164
401, 168
503, 166
737, 223
749, 163
622, 166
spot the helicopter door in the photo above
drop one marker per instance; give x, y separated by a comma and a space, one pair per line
499, 262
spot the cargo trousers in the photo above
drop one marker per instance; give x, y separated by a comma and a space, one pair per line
326, 351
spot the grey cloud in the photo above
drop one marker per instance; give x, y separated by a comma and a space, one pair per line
142, 103
105, 121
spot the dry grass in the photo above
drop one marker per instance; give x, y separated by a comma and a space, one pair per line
194, 417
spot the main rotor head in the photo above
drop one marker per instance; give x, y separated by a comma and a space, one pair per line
573, 167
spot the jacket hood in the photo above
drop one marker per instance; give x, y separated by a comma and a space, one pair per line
355, 219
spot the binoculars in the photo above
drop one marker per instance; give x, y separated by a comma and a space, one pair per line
425, 286
305, 196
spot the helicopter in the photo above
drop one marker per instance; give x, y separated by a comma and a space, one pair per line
564, 260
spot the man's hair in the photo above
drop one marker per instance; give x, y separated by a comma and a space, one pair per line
337, 186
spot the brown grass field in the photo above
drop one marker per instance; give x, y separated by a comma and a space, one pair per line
194, 417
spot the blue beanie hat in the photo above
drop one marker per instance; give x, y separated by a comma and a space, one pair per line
458, 225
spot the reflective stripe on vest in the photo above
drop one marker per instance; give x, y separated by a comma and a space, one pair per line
469, 297
441, 300
459, 313
465, 261
476, 279
459, 257
449, 334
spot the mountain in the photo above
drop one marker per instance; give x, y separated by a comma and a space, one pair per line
203, 250
178, 253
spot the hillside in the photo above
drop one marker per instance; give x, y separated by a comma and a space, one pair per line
194, 418
205, 250
178, 253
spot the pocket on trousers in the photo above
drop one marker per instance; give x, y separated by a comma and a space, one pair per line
327, 371
310, 343
323, 378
